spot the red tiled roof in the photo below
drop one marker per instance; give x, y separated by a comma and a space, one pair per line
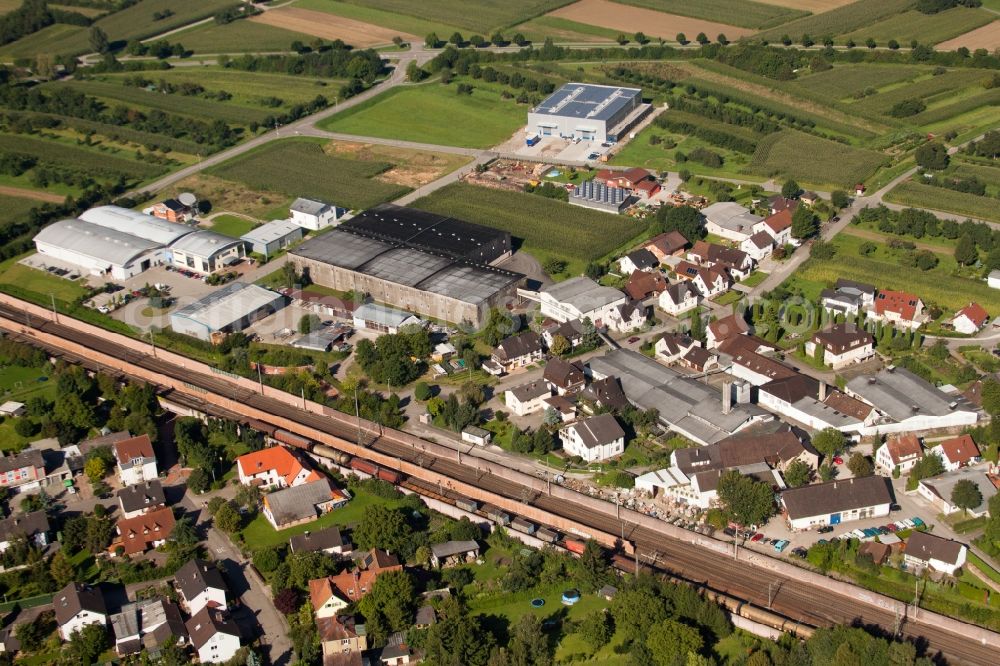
779, 221
351, 585
135, 447
647, 186
960, 449
976, 314
900, 302
727, 327
277, 458
903, 446
642, 284
667, 243
137, 534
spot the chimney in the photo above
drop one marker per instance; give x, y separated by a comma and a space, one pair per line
727, 397
822, 391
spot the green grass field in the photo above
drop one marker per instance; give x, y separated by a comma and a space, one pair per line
744, 13
481, 16
302, 168
479, 120
64, 154
543, 224
640, 152
813, 160
48, 40
925, 28
944, 87
237, 37
563, 30
911, 193
841, 20
15, 209
40, 282
843, 81
969, 102
232, 225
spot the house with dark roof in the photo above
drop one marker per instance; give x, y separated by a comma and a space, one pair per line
699, 359
453, 553
757, 368
527, 398
848, 297
673, 346
777, 450
328, 540
596, 438
22, 471
563, 377
214, 635
957, 452
200, 584
779, 203
33, 527
76, 606
679, 298
147, 624
898, 308
758, 246
737, 262
518, 351
143, 532
924, 549
605, 393
708, 280
970, 319
571, 330
564, 406
669, 244
899, 452
843, 345
836, 502
803, 400
141, 498
136, 460
627, 317
638, 260
301, 504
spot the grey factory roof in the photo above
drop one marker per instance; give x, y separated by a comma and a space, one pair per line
319, 340
597, 430
227, 305
684, 403
731, 215
382, 314
836, 496
585, 100
392, 262
901, 394
309, 206
298, 502
134, 223
271, 231
91, 240
584, 294
205, 243
943, 484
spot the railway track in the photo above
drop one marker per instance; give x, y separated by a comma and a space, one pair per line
800, 601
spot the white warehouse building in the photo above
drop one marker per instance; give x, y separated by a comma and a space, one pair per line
588, 112
230, 309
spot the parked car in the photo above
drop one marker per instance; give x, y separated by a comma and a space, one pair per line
800, 552
633, 339
729, 532
756, 537
593, 156
909, 523
917, 522
891, 527
837, 460
883, 530
781, 545
826, 529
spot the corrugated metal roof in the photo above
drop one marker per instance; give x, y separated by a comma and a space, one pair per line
96, 242
271, 231
205, 243
138, 224
227, 305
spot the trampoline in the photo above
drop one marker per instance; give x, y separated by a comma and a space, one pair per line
537, 603
570, 597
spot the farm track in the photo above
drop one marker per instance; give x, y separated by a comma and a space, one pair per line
796, 599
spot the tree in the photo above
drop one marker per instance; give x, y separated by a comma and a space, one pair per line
592, 567
95, 469
560, 345
456, 39
991, 396
828, 441
681, 39
798, 473
497, 39
422, 391
722, 39
61, 569
932, 155
641, 38
637, 608
669, 639
389, 605
309, 323
266, 560
432, 41
965, 250
458, 639
803, 223
966, 495
227, 519
790, 189
819, 354
840, 199
32, 634
860, 465
287, 601
622, 39
519, 39
745, 500
382, 527
99, 40
528, 645
870, 43
199, 481
702, 38
596, 629
684, 219
893, 44
86, 645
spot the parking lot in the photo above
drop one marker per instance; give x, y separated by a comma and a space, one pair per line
554, 148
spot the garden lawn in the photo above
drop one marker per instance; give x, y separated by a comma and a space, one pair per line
919, 195
300, 167
548, 225
260, 534
40, 282
513, 606
754, 279
232, 225
433, 113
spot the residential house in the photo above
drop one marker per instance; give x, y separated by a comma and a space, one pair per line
848, 297
425, 617
563, 377
200, 584
141, 498
33, 527
757, 368
303, 503
580, 298
22, 472
907, 403
938, 489
970, 319
836, 502
900, 452
564, 407
778, 226
638, 260
879, 552
12, 409
76, 606
699, 360
274, 467
669, 244
730, 221
328, 540
518, 351
957, 452
571, 330
809, 198
778, 203
899, 308
593, 439
147, 625
329, 595
527, 398
214, 635
737, 262
172, 210
924, 549
710, 281
843, 344
343, 640
605, 393
644, 284
759, 246
628, 317
646, 189
453, 553
627, 179
721, 330
140, 533
136, 460
314, 215
679, 298
672, 347
396, 651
